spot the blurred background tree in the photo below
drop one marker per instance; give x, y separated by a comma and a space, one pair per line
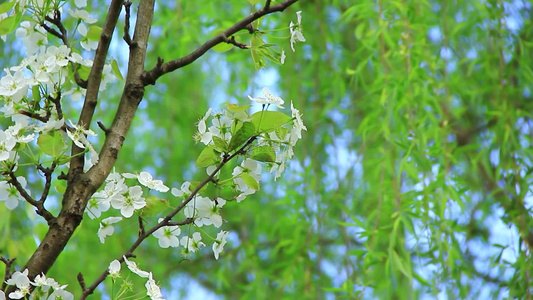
414, 177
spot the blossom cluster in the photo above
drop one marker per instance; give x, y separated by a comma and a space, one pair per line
264, 139
152, 289
44, 288
32, 92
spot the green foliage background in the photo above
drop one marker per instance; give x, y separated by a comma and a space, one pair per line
413, 178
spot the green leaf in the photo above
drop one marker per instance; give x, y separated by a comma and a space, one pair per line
94, 33
207, 157
62, 159
51, 143
220, 144
223, 47
250, 181
9, 24
264, 154
154, 205
36, 93
236, 107
116, 70
84, 72
397, 261
281, 132
266, 121
257, 52
242, 135
60, 186
5, 7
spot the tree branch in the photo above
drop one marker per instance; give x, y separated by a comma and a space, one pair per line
8, 262
150, 77
94, 80
38, 204
126, 37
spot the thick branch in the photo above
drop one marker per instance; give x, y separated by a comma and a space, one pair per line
80, 186
94, 80
150, 77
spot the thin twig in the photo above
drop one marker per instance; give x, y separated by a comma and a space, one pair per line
57, 102
56, 20
233, 42
8, 262
102, 126
141, 226
34, 116
38, 204
81, 281
127, 37
48, 180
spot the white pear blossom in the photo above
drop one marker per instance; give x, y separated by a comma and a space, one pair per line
114, 269
298, 126
77, 135
268, 99
52, 124
86, 43
129, 201
192, 244
101, 200
32, 35
17, 132
218, 245
22, 282
251, 167
135, 269
147, 180
107, 77
296, 31
46, 283
82, 15
106, 229
203, 135
10, 194
7, 143
208, 211
283, 56
14, 86
152, 289
168, 236
61, 294
221, 127
184, 191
